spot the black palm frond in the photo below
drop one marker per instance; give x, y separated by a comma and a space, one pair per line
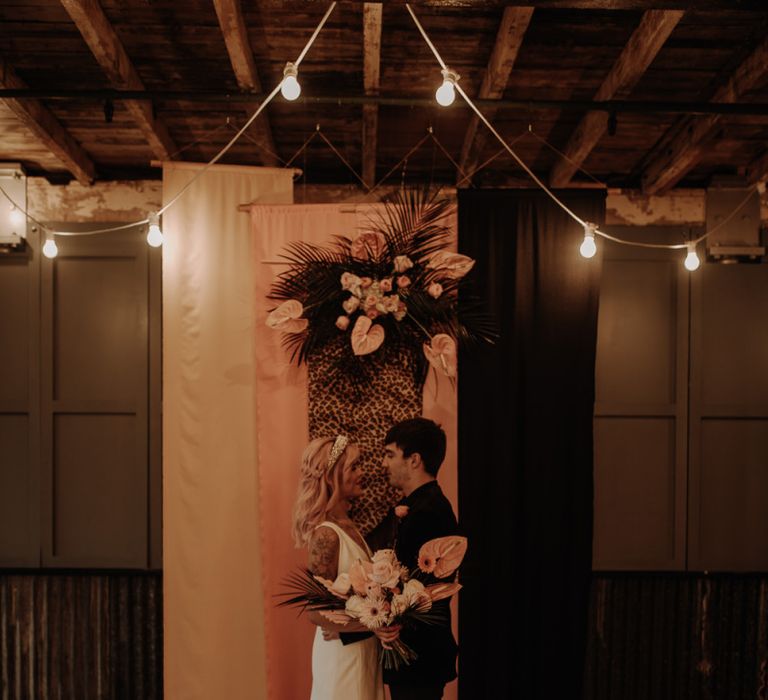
414, 223
306, 592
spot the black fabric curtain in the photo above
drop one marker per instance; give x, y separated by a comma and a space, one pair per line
525, 447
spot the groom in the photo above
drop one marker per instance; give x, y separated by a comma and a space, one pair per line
413, 452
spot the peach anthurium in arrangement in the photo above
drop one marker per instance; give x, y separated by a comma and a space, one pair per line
394, 284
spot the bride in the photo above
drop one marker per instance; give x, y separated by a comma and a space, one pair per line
329, 480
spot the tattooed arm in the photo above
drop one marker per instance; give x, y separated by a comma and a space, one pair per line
324, 561
324, 553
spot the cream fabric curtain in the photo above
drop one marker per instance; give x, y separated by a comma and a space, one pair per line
214, 644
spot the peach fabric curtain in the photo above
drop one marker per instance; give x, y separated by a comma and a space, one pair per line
281, 390
212, 584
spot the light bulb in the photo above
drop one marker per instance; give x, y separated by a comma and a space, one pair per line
692, 261
50, 249
446, 93
290, 87
588, 247
154, 235
16, 216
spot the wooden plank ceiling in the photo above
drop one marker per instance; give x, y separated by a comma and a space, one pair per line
195, 70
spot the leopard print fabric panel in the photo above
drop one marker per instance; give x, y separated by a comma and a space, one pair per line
364, 410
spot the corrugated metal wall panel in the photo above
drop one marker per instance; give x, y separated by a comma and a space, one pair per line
677, 637
651, 637
81, 636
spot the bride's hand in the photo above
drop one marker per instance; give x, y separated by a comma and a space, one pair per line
329, 635
387, 635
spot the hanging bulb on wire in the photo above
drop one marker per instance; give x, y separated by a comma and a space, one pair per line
16, 216
446, 93
692, 261
588, 247
290, 88
50, 249
154, 234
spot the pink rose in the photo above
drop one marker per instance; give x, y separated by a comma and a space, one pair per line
342, 323
403, 281
365, 282
372, 313
371, 300
386, 568
403, 263
385, 285
349, 281
370, 245
351, 304
435, 289
401, 511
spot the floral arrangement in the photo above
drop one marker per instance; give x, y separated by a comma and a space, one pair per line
382, 592
395, 283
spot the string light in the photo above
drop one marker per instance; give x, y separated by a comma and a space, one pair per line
446, 93
588, 247
50, 249
16, 216
290, 88
692, 261
154, 234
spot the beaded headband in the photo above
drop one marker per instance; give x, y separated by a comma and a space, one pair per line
339, 445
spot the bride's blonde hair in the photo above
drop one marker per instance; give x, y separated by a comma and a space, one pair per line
318, 487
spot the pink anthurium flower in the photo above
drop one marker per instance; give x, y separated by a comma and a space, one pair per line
287, 317
443, 555
441, 354
453, 265
367, 336
368, 245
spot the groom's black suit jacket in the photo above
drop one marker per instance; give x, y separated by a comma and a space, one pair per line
429, 516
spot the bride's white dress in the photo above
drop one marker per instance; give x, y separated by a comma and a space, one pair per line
352, 671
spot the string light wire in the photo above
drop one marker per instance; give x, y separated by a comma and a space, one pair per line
507, 147
202, 171
546, 189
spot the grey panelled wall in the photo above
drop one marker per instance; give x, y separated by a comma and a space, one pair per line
677, 637
729, 419
94, 636
19, 411
681, 415
641, 410
80, 404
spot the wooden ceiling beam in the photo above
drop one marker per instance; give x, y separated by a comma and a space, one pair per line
684, 144
619, 5
371, 78
233, 28
109, 52
509, 39
41, 121
643, 46
757, 170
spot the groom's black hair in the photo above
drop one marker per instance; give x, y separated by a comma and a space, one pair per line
422, 436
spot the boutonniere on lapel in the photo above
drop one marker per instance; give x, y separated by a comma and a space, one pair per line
401, 512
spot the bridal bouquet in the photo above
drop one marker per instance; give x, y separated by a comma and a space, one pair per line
383, 592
